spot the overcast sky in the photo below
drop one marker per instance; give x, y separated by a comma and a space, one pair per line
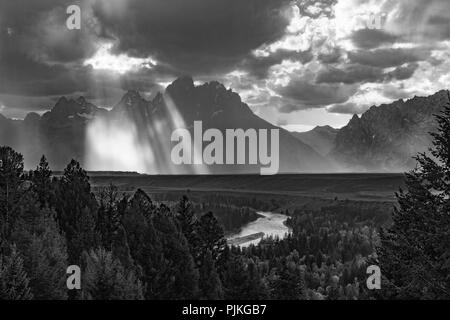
296, 63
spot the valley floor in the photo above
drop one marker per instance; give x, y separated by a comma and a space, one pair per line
358, 187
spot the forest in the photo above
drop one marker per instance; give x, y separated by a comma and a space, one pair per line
129, 246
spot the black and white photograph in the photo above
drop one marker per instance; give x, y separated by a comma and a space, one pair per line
195, 151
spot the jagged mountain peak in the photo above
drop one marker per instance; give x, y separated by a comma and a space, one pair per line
81, 100
184, 83
61, 101
386, 137
133, 94
32, 117
131, 97
67, 110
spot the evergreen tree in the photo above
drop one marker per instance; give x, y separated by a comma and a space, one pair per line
415, 251
289, 282
209, 236
121, 249
13, 278
178, 277
42, 184
46, 262
242, 279
234, 277
209, 282
76, 209
256, 288
144, 244
11, 180
106, 279
185, 216
109, 219
43, 248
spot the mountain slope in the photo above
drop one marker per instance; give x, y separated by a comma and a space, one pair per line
387, 137
320, 138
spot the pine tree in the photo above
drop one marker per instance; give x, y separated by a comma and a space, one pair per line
185, 216
138, 225
256, 288
42, 184
106, 279
415, 250
209, 282
43, 249
109, 218
242, 280
289, 282
11, 180
209, 236
76, 209
234, 277
13, 278
178, 277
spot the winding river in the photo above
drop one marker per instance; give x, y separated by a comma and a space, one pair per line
268, 224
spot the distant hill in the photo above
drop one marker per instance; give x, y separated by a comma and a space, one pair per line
320, 138
386, 138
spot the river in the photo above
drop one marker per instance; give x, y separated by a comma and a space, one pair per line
268, 224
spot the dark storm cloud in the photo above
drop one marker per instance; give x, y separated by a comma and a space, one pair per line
354, 73
385, 58
403, 72
38, 29
289, 107
21, 75
39, 56
196, 36
372, 38
440, 26
259, 66
304, 95
331, 56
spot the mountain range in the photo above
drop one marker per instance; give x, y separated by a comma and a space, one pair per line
321, 138
134, 135
383, 139
140, 128
387, 137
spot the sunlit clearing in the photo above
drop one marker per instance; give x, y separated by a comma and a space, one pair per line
106, 61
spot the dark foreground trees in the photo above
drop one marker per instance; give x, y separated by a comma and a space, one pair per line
415, 251
127, 247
